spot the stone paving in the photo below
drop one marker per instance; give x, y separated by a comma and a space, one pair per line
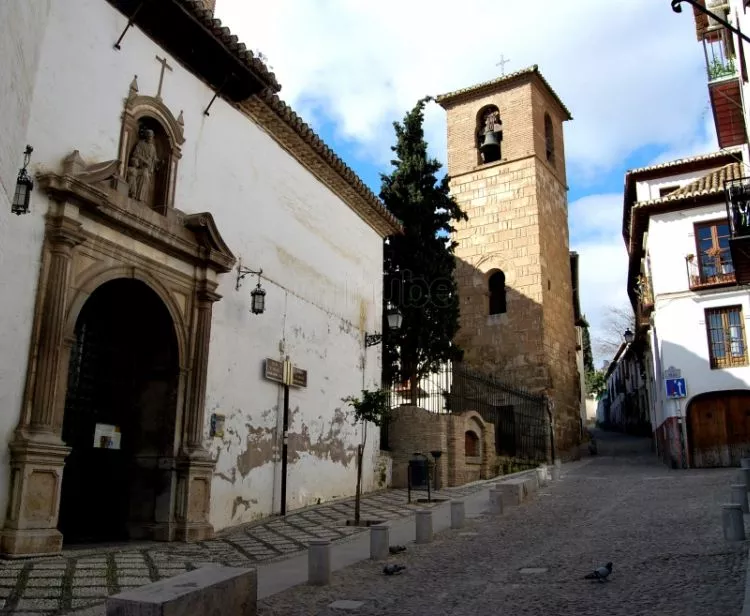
661, 528
82, 578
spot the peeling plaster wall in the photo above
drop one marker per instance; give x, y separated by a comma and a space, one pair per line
22, 27
322, 265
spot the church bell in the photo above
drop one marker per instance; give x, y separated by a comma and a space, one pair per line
490, 147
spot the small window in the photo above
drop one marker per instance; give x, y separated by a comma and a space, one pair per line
549, 138
663, 192
726, 337
471, 445
496, 286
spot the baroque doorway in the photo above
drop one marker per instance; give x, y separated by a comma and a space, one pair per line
120, 416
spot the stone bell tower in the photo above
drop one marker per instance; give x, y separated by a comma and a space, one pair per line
506, 161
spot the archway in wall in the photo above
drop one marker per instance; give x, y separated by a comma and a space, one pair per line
718, 428
120, 415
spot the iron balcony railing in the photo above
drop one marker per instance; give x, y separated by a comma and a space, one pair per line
718, 50
737, 194
710, 270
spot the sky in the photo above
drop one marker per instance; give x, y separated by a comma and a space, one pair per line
630, 71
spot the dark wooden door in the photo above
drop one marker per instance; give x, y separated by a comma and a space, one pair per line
719, 428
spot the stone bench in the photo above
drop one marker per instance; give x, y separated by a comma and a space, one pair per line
203, 592
518, 489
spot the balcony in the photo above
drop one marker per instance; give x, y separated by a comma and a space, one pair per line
710, 270
737, 193
645, 294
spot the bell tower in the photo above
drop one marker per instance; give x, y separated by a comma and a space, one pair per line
506, 162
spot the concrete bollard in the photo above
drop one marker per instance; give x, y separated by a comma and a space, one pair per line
733, 522
496, 501
555, 471
424, 526
458, 513
319, 562
541, 474
379, 541
745, 477
744, 462
739, 496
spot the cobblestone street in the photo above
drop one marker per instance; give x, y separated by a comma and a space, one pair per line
661, 528
83, 578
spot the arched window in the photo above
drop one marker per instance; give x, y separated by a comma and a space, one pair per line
496, 286
471, 445
549, 138
489, 134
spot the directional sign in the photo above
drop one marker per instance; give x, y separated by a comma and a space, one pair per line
676, 388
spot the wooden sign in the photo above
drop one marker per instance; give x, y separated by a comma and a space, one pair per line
274, 370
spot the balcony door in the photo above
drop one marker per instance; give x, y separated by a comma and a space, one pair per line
714, 258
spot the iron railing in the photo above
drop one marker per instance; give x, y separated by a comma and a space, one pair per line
520, 418
737, 193
710, 270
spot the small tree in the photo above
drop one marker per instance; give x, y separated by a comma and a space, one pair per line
373, 408
419, 265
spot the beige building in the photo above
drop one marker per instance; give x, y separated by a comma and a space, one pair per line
506, 160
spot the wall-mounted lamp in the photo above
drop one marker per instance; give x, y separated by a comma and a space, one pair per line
629, 336
395, 319
24, 186
258, 294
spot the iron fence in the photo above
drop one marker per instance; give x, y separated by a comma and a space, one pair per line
519, 417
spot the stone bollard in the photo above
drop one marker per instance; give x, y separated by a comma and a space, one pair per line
424, 526
744, 462
739, 496
745, 477
458, 513
541, 474
379, 541
319, 562
733, 522
555, 470
496, 501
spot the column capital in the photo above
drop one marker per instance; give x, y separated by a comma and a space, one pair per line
64, 233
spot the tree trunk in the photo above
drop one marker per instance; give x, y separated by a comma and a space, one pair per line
358, 494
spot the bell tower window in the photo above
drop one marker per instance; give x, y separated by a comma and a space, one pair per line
549, 138
489, 134
496, 284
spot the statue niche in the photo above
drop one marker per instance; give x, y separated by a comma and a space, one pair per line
147, 167
489, 134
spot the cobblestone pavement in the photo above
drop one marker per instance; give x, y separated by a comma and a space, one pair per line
661, 528
83, 578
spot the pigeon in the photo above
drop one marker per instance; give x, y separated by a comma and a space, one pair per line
600, 573
393, 569
396, 549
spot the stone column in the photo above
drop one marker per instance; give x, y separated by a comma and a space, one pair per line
37, 453
195, 466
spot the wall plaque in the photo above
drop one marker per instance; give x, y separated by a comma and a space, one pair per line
106, 436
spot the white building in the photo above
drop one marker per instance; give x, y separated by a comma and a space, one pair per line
132, 370
625, 404
691, 312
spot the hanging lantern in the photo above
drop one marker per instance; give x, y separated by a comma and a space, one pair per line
24, 186
258, 299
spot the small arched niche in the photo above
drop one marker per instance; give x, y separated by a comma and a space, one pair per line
489, 134
472, 448
549, 138
496, 290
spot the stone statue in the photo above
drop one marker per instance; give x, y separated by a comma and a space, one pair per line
491, 120
141, 167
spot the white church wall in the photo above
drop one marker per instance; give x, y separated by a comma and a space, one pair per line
22, 28
322, 265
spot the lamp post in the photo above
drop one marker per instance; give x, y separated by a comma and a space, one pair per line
629, 336
395, 319
24, 186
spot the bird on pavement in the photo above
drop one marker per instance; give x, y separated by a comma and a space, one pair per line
396, 549
600, 573
393, 569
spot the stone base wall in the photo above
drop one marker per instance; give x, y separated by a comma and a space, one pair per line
669, 439
415, 430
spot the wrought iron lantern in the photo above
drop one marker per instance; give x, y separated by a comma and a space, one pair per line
395, 319
24, 186
629, 336
258, 294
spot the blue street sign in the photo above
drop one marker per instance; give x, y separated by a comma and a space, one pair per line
676, 388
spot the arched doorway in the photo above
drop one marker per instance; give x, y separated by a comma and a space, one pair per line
120, 416
718, 427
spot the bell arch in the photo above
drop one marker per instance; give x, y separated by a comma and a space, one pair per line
489, 134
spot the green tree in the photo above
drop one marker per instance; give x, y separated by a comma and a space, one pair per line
595, 382
419, 265
588, 355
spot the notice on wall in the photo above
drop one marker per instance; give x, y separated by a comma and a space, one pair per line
106, 436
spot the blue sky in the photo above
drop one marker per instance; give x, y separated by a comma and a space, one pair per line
630, 71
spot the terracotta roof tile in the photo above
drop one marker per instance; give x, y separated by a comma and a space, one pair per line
682, 161
711, 183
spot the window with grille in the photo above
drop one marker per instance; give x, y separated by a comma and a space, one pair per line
726, 337
714, 257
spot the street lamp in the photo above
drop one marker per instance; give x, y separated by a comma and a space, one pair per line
258, 294
24, 186
394, 318
629, 336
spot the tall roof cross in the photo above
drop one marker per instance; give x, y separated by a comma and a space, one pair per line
502, 63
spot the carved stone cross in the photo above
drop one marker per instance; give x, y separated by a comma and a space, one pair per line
164, 65
502, 64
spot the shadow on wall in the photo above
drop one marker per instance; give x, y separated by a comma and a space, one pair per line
715, 412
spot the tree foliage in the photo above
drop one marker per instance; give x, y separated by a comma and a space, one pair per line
595, 382
615, 322
419, 265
